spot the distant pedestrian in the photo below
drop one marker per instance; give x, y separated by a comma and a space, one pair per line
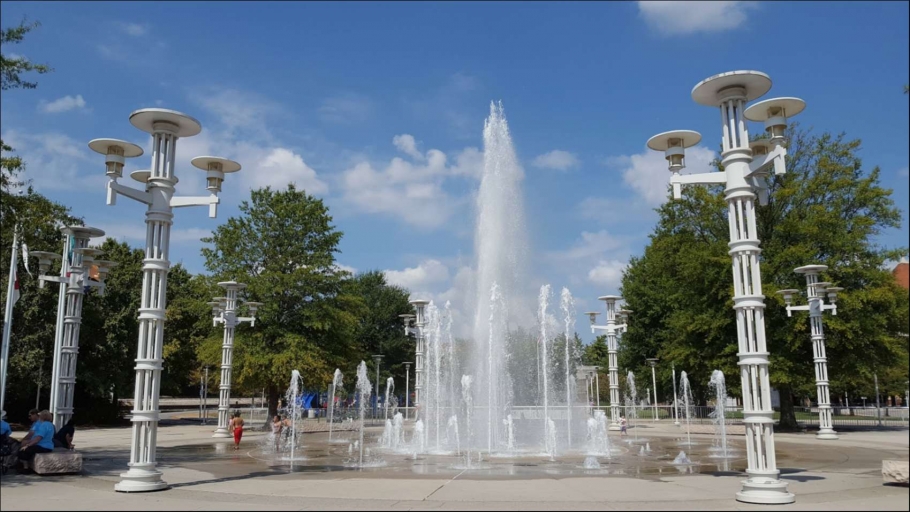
277, 425
622, 426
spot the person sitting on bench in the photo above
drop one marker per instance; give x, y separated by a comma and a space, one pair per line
64, 437
40, 438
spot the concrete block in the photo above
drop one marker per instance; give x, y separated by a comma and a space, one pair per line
56, 462
896, 472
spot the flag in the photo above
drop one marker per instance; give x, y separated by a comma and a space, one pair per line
25, 258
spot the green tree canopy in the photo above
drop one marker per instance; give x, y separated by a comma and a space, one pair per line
283, 245
826, 210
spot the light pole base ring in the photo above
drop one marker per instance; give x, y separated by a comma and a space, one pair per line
827, 436
765, 493
676, 423
614, 427
141, 481
221, 434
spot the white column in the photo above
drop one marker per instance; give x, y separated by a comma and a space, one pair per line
825, 424
8, 317
58, 330
763, 484
227, 347
613, 365
143, 475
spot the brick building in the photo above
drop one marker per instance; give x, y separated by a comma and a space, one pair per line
902, 273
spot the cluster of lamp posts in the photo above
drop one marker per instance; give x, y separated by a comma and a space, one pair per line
747, 165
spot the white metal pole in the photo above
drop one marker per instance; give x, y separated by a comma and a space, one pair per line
58, 328
597, 383
8, 317
654, 383
407, 396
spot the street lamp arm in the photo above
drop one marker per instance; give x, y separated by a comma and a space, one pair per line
130, 192
705, 178
210, 201
760, 163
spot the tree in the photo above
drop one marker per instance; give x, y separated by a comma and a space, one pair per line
597, 354
11, 67
827, 209
283, 247
379, 329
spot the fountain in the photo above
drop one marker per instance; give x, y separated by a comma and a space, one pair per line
501, 251
718, 415
292, 410
337, 380
469, 408
568, 309
681, 459
598, 440
452, 427
685, 392
591, 463
543, 302
364, 389
389, 390
510, 433
631, 398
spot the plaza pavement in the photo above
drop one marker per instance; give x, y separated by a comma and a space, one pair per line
824, 475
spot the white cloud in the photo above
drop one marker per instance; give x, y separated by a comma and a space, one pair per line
346, 268
903, 172
616, 210
280, 166
55, 161
590, 245
239, 112
557, 159
420, 278
410, 191
647, 172
63, 104
134, 29
607, 273
345, 108
688, 17
407, 145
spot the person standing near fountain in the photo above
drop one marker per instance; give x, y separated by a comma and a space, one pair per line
276, 431
236, 425
622, 426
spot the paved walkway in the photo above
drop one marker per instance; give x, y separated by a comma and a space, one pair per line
206, 475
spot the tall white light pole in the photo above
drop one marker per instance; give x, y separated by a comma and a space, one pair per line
744, 178
419, 321
76, 263
612, 329
814, 291
653, 363
165, 127
225, 312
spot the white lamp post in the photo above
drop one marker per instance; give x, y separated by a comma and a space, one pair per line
612, 329
225, 312
653, 363
74, 277
165, 127
419, 320
744, 179
816, 306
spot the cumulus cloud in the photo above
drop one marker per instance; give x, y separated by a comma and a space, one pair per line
276, 167
557, 159
407, 145
647, 172
607, 273
590, 245
411, 191
671, 18
63, 104
420, 278
56, 161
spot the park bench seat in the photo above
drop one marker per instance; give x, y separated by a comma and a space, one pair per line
57, 462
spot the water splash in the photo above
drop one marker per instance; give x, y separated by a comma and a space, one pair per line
685, 391
543, 301
510, 433
469, 408
337, 380
598, 440
591, 463
681, 459
364, 389
452, 433
631, 400
568, 309
718, 415
389, 395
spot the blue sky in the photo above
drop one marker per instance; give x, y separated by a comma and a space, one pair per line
378, 108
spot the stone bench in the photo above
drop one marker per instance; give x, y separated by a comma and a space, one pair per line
896, 472
57, 462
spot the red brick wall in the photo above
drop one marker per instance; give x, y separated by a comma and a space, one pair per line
902, 274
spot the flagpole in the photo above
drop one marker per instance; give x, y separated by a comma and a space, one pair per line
8, 318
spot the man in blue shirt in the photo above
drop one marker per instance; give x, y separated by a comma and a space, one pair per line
5, 430
40, 438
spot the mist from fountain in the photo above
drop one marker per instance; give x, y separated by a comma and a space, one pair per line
567, 303
631, 399
542, 320
469, 408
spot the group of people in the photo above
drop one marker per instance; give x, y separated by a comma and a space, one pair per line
42, 436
